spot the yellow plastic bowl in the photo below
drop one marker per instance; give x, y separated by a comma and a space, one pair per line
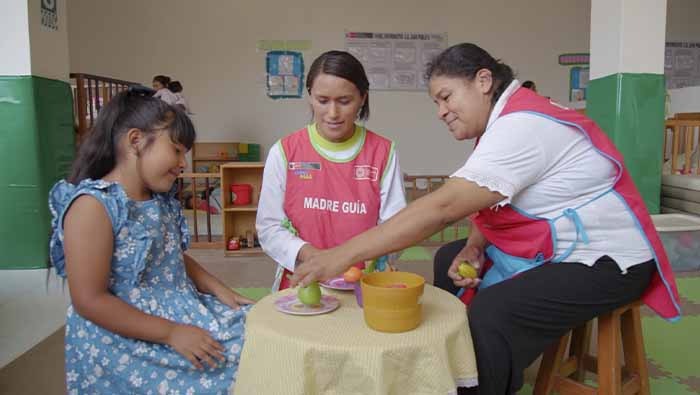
389, 309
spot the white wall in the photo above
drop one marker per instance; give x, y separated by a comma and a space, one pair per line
211, 47
682, 20
32, 306
14, 39
685, 99
627, 36
49, 48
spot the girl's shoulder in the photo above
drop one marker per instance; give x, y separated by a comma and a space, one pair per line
110, 194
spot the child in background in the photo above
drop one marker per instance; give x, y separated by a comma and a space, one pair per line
144, 317
160, 84
176, 88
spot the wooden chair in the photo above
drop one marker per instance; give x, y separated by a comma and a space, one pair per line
565, 372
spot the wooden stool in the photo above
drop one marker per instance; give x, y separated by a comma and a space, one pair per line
566, 375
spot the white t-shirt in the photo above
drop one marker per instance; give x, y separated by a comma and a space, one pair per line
166, 95
277, 241
180, 99
544, 167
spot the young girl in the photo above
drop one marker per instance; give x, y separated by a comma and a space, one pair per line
160, 84
144, 317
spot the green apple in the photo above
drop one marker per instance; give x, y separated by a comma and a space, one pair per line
310, 295
466, 270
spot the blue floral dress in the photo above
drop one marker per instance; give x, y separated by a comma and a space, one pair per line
148, 272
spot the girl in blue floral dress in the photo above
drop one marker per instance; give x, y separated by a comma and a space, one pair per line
145, 318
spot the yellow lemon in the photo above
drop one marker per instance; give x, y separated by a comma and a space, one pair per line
466, 270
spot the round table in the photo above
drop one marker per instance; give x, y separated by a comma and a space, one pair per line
337, 353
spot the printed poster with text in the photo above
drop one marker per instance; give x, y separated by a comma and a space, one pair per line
395, 61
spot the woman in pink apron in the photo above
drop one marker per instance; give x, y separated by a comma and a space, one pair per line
560, 232
332, 179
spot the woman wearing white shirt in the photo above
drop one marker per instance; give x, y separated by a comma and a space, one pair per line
332, 179
560, 232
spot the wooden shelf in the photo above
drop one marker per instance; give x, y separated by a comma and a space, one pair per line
243, 165
244, 252
200, 175
239, 221
215, 159
248, 207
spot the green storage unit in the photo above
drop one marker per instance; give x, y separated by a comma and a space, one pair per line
37, 145
630, 109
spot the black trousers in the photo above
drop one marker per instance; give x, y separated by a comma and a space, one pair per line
514, 321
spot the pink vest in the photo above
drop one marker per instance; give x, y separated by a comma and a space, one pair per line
330, 202
519, 235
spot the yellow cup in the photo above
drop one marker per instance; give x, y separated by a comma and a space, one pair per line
388, 308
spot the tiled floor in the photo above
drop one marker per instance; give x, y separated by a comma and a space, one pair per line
672, 350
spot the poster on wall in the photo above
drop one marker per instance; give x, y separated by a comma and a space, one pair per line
285, 74
49, 14
578, 74
578, 81
682, 64
395, 61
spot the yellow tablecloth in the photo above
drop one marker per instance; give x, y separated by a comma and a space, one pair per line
337, 353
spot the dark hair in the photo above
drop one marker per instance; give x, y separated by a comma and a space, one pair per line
342, 64
175, 86
465, 60
528, 84
163, 79
134, 108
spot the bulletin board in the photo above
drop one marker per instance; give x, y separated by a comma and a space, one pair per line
682, 64
395, 61
285, 74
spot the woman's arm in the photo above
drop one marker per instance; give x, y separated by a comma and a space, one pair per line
278, 241
455, 200
392, 194
473, 253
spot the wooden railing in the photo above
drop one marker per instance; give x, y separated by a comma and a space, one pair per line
420, 185
91, 93
683, 135
200, 185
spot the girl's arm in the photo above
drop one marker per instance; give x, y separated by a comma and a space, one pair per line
455, 200
208, 284
88, 247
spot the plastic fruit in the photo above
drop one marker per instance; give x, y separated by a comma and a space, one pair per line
466, 270
310, 295
370, 266
352, 275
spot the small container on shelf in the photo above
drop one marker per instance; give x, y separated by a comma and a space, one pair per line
233, 244
241, 194
250, 239
243, 242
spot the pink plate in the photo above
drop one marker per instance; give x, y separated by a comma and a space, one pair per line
338, 283
290, 304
